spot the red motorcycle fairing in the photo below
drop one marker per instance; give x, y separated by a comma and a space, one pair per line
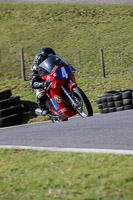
62, 76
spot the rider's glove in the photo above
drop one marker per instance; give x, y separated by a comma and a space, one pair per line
43, 85
37, 85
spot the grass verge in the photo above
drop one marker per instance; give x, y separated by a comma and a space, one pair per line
27, 175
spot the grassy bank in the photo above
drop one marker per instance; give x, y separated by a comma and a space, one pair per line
75, 32
33, 175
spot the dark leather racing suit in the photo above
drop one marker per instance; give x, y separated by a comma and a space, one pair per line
36, 83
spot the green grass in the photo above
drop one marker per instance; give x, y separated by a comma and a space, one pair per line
75, 32
27, 175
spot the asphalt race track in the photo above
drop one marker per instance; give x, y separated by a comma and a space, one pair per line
102, 131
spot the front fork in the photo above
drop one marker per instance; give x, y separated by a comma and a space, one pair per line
73, 103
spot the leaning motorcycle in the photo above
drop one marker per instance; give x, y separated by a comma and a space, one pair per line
64, 98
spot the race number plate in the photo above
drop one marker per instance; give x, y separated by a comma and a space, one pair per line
63, 73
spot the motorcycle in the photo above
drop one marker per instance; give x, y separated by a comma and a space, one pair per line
64, 98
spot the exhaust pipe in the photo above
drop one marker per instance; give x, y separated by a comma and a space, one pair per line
38, 111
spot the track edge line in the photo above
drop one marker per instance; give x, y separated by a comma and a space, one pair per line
73, 150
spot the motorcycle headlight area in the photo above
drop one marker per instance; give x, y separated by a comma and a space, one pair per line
43, 72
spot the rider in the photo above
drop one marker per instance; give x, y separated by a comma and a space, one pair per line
36, 83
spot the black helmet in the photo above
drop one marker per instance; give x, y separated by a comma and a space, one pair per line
46, 52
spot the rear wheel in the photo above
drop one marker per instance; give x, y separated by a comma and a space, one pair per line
84, 107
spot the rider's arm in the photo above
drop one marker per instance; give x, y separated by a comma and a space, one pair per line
37, 85
44, 85
37, 82
36, 63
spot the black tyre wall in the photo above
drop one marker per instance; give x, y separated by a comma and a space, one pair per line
11, 120
5, 94
10, 109
116, 100
6, 103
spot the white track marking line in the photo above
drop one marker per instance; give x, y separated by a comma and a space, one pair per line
74, 150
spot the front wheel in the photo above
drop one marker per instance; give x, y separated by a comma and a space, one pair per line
84, 107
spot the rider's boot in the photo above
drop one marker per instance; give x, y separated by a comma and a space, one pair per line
44, 110
41, 100
41, 112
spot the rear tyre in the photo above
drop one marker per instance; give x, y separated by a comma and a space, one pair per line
84, 109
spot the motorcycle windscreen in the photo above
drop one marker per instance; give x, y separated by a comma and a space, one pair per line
50, 64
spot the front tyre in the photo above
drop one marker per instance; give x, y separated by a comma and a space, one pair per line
84, 107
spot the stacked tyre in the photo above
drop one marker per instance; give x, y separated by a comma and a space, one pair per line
10, 109
114, 101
